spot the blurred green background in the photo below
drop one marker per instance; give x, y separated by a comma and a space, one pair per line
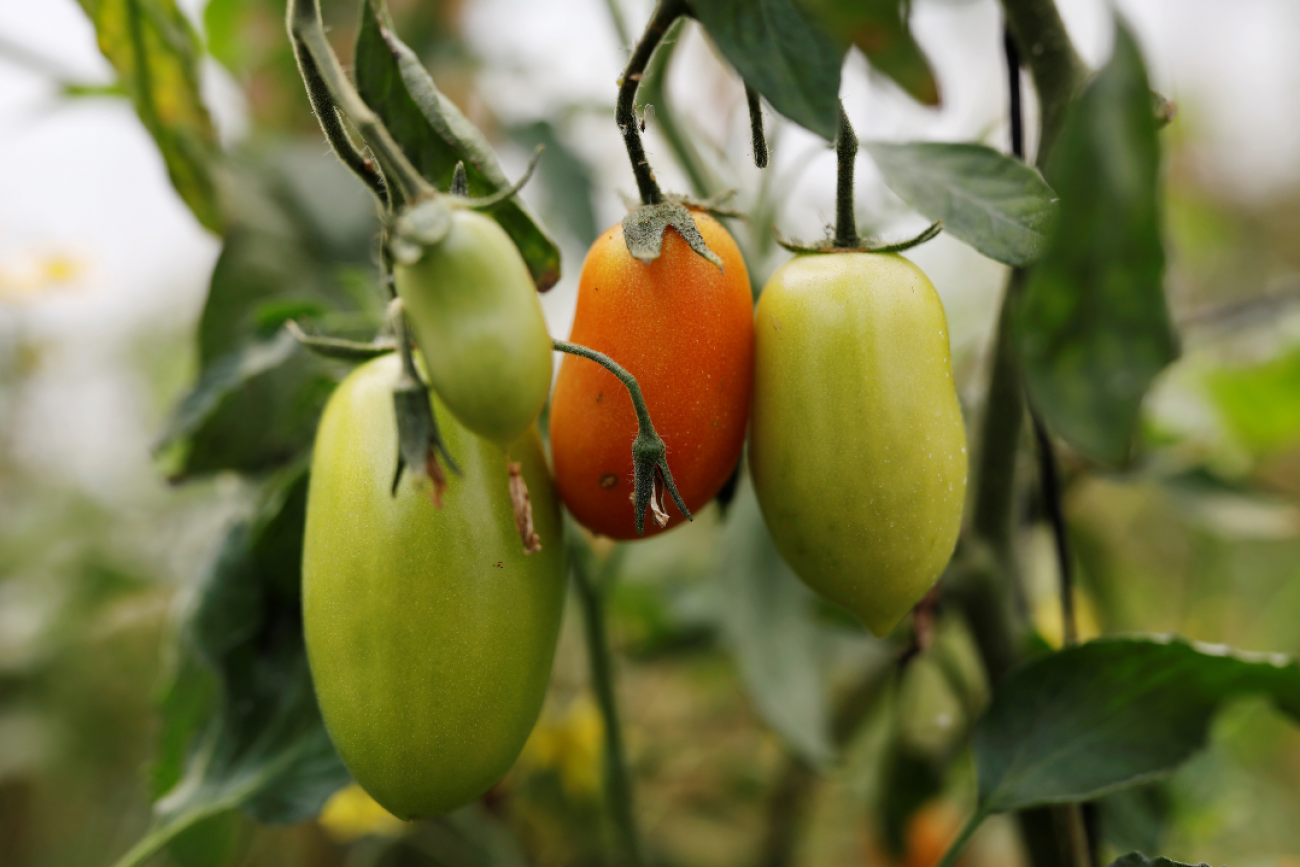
102, 278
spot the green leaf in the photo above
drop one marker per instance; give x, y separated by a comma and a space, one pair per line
782, 53
767, 619
1260, 404
1137, 859
1092, 326
155, 52
879, 28
566, 178
1135, 818
435, 135
995, 203
1112, 713
263, 746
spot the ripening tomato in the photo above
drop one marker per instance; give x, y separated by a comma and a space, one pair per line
684, 329
429, 632
857, 446
479, 326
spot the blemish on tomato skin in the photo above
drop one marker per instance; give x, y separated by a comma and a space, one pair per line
608, 480
600, 395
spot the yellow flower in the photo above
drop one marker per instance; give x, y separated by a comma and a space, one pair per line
570, 744
351, 814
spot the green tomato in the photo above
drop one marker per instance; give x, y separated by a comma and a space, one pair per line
479, 325
429, 632
857, 446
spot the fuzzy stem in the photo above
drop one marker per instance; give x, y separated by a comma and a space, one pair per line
308, 32
618, 781
757, 138
846, 150
664, 15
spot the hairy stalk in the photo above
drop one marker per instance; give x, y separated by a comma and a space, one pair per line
308, 33
618, 782
664, 15
322, 103
846, 151
757, 138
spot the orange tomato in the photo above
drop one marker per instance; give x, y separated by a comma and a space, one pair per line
685, 330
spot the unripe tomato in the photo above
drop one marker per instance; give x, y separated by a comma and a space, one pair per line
429, 632
479, 325
684, 329
857, 445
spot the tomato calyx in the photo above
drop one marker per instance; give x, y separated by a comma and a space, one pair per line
644, 227
427, 220
419, 442
338, 348
864, 245
651, 474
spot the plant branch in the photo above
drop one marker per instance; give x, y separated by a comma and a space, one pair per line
653, 84
1054, 65
308, 34
664, 15
846, 151
618, 782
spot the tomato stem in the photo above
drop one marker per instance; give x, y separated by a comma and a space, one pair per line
649, 454
592, 586
664, 15
757, 138
846, 151
307, 33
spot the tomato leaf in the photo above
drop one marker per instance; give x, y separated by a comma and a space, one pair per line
782, 53
879, 28
1093, 328
263, 745
767, 619
155, 52
435, 135
997, 204
1110, 714
1137, 859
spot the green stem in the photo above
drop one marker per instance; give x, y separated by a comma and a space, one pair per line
307, 30
618, 781
1054, 65
846, 151
954, 851
664, 15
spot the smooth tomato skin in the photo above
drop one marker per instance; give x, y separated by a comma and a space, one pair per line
429, 632
857, 445
479, 326
684, 329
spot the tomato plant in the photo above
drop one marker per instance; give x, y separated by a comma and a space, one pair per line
430, 632
479, 325
684, 328
857, 445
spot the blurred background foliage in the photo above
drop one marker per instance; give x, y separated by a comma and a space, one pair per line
735, 700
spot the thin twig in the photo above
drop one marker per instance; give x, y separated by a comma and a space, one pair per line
846, 151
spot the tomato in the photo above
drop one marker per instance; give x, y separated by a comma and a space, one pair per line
684, 329
479, 326
429, 632
857, 446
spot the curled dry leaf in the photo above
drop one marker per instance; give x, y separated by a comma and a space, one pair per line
523, 508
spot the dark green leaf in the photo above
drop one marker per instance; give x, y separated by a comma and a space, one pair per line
1134, 818
1110, 714
995, 203
780, 52
435, 135
263, 747
1137, 859
155, 52
1092, 326
879, 28
767, 619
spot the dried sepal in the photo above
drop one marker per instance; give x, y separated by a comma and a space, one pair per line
522, 506
644, 227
